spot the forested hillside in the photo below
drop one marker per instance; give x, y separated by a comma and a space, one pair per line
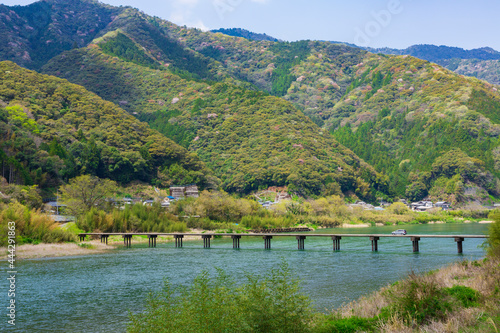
250, 139
52, 130
402, 115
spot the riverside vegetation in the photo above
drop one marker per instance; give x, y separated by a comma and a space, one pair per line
461, 297
87, 198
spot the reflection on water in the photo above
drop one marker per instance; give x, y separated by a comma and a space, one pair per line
95, 293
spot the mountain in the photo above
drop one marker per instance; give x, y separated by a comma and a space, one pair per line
250, 139
434, 53
238, 32
483, 63
52, 130
263, 113
33, 34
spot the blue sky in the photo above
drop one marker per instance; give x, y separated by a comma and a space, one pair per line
375, 23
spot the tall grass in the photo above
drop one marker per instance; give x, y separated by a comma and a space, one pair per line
134, 218
32, 226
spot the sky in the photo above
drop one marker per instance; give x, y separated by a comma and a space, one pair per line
373, 23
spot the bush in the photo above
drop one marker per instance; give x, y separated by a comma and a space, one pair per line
271, 303
494, 240
31, 226
347, 325
255, 222
135, 218
417, 301
468, 297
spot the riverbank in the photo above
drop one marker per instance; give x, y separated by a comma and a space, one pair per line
367, 225
88, 247
463, 296
44, 250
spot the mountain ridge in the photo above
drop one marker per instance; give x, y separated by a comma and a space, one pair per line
400, 113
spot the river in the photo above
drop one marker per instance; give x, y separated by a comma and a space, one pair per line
95, 293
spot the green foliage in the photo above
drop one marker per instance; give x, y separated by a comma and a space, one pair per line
272, 303
81, 22
123, 47
133, 218
417, 302
347, 325
86, 192
486, 104
289, 55
78, 134
494, 240
467, 296
257, 222
18, 117
31, 226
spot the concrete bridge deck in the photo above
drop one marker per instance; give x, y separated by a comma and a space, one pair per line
178, 237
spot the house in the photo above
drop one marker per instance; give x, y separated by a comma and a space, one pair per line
362, 204
267, 204
148, 203
62, 218
190, 191
55, 206
421, 206
177, 192
443, 204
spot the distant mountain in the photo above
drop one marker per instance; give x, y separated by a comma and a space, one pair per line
483, 63
31, 35
237, 32
435, 53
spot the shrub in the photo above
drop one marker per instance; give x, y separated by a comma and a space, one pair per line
271, 303
135, 218
347, 325
466, 295
31, 226
494, 240
417, 300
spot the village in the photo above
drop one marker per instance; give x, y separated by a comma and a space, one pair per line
266, 198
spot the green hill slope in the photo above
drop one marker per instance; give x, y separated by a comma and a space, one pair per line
251, 140
54, 130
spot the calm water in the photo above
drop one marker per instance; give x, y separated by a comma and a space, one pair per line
95, 293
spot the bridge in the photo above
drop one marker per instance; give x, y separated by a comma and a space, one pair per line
374, 238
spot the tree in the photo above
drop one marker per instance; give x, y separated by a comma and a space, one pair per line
84, 192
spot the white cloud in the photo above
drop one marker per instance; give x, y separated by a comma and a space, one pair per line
182, 14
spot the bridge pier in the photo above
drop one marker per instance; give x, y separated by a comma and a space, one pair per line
82, 237
459, 241
236, 241
152, 240
300, 241
374, 243
104, 239
336, 243
267, 242
127, 240
206, 241
178, 240
414, 242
